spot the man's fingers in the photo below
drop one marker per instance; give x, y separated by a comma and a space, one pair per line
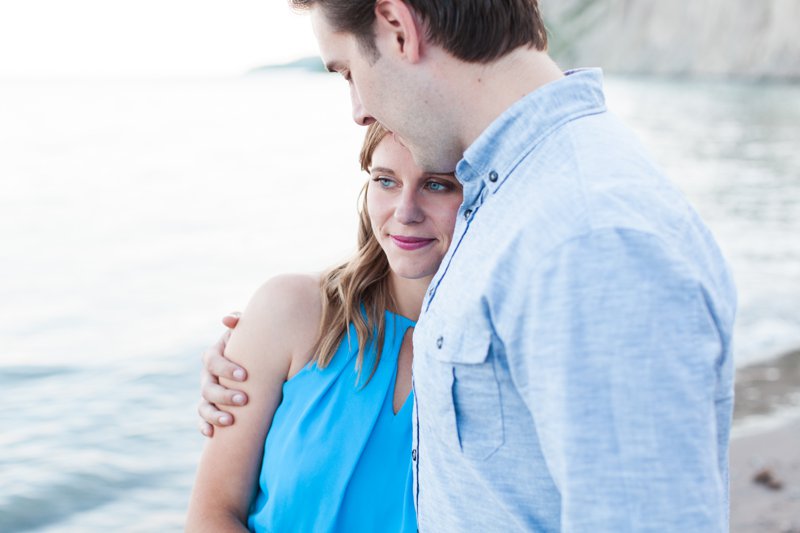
218, 366
213, 416
231, 319
215, 365
218, 348
216, 394
205, 428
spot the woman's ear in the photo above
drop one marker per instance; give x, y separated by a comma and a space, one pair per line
399, 30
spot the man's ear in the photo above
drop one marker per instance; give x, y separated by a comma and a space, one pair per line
398, 27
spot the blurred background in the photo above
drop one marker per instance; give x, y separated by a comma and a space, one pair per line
160, 159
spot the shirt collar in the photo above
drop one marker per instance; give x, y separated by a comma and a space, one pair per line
510, 137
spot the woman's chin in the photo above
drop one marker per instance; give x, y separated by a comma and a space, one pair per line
413, 272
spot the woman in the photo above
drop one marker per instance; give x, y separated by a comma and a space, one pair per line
324, 443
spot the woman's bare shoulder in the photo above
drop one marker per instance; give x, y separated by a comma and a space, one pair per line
293, 301
281, 320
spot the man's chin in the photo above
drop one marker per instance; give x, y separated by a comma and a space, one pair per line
399, 140
435, 163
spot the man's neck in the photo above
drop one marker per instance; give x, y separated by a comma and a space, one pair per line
489, 90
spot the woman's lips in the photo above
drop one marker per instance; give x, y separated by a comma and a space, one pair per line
410, 243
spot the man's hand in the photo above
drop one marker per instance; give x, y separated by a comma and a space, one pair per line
215, 365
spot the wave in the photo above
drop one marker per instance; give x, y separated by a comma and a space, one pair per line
74, 494
17, 373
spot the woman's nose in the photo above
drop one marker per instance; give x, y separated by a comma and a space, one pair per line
408, 209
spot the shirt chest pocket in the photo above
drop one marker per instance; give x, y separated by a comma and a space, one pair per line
468, 392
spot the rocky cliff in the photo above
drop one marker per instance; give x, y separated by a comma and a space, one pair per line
739, 38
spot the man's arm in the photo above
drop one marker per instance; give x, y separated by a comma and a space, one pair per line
215, 366
618, 358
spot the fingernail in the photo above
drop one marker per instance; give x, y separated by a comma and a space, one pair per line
206, 432
224, 419
238, 374
238, 398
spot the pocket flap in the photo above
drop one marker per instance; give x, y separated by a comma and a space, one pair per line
467, 345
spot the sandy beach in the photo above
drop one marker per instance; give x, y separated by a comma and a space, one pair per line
765, 455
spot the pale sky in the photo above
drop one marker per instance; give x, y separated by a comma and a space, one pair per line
51, 39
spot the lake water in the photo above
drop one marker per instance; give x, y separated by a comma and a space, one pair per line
134, 214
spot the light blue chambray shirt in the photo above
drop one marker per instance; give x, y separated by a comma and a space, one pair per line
573, 366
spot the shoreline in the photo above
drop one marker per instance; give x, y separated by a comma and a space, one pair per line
765, 448
765, 481
766, 388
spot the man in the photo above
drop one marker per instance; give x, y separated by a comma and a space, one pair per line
573, 366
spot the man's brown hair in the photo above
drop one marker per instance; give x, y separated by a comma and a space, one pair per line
476, 31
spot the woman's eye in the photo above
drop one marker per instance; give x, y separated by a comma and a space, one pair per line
384, 181
437, 187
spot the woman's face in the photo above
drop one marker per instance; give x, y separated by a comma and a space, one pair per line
412, 212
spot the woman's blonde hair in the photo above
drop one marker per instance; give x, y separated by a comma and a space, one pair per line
357, 291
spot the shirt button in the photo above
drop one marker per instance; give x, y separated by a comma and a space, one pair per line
413, 455
430, 292
467, 214
493, 176
439, 341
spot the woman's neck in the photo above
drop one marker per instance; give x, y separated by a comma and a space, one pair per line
408, 294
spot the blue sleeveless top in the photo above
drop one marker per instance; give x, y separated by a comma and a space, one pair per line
336, 457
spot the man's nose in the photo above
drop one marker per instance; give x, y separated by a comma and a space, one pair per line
360, 114
408, 209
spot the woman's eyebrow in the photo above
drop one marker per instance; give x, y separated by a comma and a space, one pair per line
451, 175
381, 169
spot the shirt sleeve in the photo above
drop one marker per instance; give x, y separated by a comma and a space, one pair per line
615, 351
